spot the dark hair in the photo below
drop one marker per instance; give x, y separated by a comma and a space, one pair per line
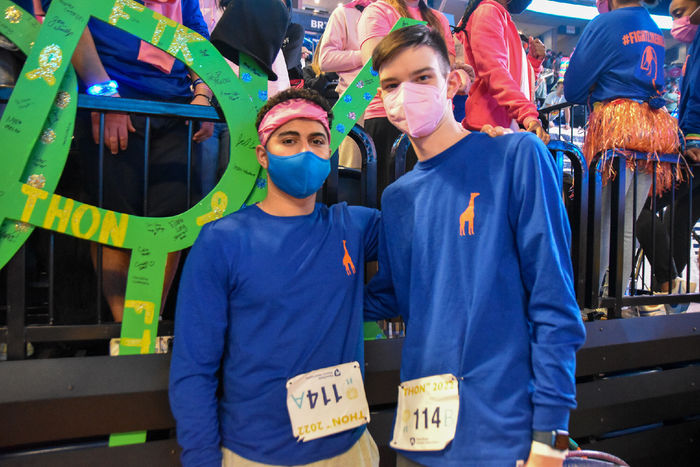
294, 93
471, 6
410, 36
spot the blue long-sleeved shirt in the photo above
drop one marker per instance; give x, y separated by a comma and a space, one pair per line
474, 255
118, 51
689, 105
619, 54
263, 299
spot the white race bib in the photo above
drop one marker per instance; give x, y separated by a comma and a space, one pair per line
327, 401
426, 415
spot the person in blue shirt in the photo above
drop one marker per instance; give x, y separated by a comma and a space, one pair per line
269, 293
474, 255
686, 17
617, 70
106, 53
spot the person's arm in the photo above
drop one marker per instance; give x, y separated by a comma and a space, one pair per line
536, 55
488, 30
201, 321
369, 222
193, 19
380, 300
368, 47
539, 220
334, 54
89, 67
201, 95
373, 26
585, 64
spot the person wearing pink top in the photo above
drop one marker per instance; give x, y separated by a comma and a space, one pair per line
376, 22
339, 52
503, 91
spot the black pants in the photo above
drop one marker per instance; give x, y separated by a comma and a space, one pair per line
667, 264
123, 189
384, 135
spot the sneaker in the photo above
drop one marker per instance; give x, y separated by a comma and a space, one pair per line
651, 310
679, 288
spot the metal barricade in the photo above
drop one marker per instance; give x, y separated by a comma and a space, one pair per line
37, 323
615, 298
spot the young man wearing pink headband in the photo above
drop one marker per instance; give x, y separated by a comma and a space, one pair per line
474, 255
269, 296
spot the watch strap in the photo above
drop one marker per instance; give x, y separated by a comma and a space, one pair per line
557, 439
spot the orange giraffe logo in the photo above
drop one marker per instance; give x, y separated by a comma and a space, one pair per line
468, 217
347, 261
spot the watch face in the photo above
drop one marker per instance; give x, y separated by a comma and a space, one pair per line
561, 442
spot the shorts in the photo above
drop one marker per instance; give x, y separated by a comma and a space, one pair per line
124, 187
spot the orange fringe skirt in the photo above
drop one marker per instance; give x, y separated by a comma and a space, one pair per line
624, 124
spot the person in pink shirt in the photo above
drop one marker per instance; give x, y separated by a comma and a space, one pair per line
376, 22
339, 52
503, 91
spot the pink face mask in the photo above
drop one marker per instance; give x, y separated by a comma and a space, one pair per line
414, 108
682, 30
603, 6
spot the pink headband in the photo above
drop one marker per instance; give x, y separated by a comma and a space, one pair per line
290, 110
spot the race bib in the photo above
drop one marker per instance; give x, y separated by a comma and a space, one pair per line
327, 401
426, 416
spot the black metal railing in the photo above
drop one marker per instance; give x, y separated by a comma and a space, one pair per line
639, 294
573, 128
29, 305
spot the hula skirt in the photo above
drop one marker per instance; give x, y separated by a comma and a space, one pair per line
625, 124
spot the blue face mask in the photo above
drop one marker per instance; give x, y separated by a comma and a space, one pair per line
300, 175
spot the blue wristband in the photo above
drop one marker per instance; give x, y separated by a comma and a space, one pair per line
108, 88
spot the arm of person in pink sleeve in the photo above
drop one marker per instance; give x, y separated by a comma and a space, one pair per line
335, 55
536, 65
376, 22
536, 55
487, 32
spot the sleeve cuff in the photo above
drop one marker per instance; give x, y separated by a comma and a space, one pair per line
548, 417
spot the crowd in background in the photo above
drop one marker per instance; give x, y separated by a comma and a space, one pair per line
506, 77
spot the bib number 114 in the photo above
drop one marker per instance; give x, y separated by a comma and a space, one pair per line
427, 411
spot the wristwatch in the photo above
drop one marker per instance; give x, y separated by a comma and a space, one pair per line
557, 439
